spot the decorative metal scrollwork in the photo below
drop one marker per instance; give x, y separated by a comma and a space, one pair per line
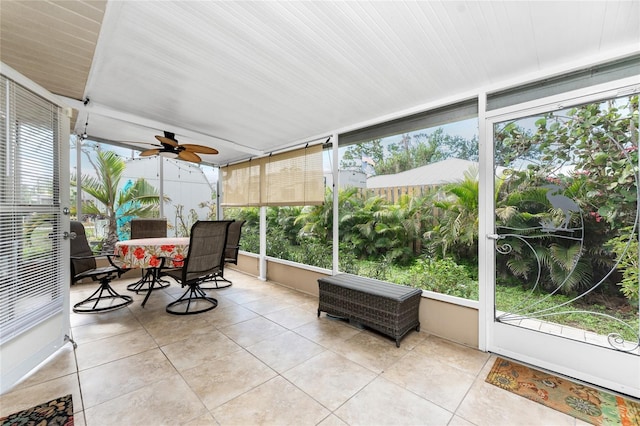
558, 226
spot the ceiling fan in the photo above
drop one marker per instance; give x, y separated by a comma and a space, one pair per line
172, 149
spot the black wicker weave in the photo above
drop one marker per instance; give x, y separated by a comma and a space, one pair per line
388, 308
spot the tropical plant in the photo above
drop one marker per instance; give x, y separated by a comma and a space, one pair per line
250, 237
456, 229
599, 142
626, 249
139, 199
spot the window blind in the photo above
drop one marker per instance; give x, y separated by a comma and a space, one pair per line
31, 274
293, 178
241, 183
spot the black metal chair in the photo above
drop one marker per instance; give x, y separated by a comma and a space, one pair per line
206, 257
230, 255
148, 228
83, 265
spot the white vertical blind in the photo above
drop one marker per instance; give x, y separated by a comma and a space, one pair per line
31, 275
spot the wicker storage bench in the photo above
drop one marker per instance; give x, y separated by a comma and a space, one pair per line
388, 308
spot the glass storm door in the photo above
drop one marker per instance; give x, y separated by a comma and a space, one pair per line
564, 245
34, 257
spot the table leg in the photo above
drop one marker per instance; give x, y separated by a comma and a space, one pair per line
155, 277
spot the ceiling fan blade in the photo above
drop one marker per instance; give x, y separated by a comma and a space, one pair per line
199, 148
167, 141
189, 156
149, 152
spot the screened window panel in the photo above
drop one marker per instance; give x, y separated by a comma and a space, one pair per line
423, 120
627, 67
288, 179
30, 271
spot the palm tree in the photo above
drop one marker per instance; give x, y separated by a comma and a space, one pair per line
138, 199
458, 221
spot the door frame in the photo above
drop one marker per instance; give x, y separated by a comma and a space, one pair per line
23, 353
533, 346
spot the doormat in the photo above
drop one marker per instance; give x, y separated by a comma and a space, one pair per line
57, 412
583, 402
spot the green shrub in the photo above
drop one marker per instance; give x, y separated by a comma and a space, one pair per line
443, 276
625, 248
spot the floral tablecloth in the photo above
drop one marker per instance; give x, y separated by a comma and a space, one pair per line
147, 252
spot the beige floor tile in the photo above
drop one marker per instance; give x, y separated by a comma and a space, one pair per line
431, 379
82, 319
459, 421
285, 351
204, 420
82, 290
241, 296
26, 397
227, 377
166, 328
61, 363
197, 349
158, 301
113, 348
412, 339
292, 317
224, 316
332, 420
372, 351
253, 331
106, 326
486, 404
329, 333
166, 402
78, 419
268, 305
111, 380
283, 377
384, 403
464, 358
329, 378
276, 402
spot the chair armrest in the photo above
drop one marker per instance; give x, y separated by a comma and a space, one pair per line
121, 269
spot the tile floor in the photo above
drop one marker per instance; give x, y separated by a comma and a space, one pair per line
263, 357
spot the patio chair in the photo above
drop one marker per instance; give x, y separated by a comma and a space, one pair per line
148, 228
205, 258
83, 265
230, 255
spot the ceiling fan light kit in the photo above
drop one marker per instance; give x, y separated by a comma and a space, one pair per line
168, 154
170, 148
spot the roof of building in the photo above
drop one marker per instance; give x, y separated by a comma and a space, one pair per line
446, 171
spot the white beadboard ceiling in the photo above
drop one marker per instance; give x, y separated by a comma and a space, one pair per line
249, 77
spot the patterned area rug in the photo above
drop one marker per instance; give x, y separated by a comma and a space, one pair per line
57, 412
583, 402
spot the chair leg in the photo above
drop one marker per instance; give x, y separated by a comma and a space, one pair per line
216, 280
145, 283
190, 300
104, 293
